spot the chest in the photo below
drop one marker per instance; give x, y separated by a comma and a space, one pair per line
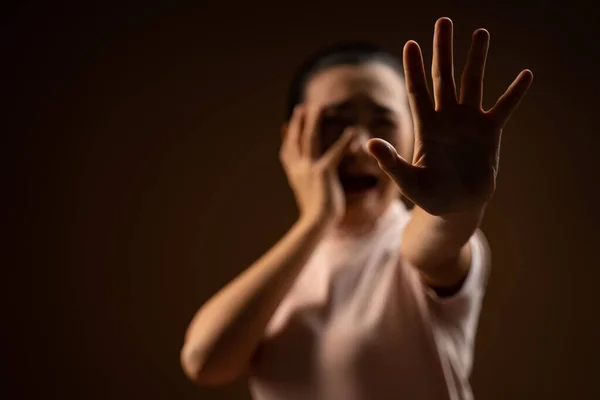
346, 328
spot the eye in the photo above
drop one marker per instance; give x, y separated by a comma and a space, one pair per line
384, 128
383, 123
333, 126
336, 121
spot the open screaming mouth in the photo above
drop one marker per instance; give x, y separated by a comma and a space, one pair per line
358, 183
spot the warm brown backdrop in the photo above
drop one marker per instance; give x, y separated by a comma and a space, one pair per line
143, 175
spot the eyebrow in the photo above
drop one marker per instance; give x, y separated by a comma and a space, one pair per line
349, 106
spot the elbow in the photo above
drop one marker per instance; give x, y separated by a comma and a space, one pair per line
203, 371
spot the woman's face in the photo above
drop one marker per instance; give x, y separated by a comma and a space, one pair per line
371, 99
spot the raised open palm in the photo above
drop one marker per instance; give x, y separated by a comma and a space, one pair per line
457, 143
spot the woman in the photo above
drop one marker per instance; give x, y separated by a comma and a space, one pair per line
363, 298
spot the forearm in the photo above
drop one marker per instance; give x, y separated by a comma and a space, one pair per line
225, 332
439, 246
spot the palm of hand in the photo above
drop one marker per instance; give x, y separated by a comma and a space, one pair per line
457, 143
455, 161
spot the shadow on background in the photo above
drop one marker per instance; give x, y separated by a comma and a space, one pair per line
143, 175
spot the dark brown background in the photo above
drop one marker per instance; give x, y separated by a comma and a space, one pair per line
143, 175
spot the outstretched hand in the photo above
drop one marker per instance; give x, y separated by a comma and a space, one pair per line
457, 143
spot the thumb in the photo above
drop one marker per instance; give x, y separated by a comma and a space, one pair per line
391, 162
384, 153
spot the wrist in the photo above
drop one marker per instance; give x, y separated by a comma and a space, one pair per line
453, 223
430, 240
318, 223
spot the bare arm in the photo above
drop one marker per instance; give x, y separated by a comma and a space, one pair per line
439, 246
452, 175
225, 332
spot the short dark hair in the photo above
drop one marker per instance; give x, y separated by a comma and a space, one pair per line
346, 53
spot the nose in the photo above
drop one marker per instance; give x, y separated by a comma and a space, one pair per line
359, 142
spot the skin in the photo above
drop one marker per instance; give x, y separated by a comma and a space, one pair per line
366, 101
454, 167
441, 152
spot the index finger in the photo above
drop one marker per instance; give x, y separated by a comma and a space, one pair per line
293, 131
310, 135
416, 82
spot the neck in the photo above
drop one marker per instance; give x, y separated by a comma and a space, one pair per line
355, 225
358, 222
